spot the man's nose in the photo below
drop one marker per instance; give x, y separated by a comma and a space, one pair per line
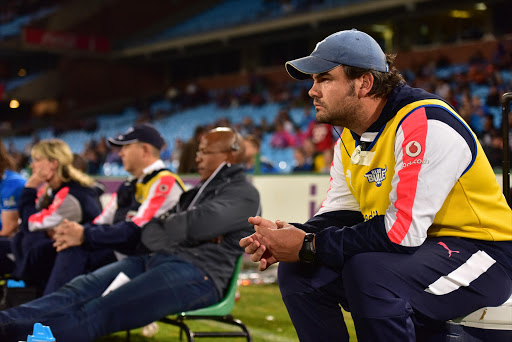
313, 92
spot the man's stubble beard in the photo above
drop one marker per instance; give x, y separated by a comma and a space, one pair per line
345, 114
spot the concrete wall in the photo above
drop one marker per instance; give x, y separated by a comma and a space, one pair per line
291, 198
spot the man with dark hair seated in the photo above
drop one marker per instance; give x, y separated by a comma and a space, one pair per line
185, 261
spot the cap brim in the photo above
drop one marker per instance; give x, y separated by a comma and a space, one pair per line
304, 67
115, 142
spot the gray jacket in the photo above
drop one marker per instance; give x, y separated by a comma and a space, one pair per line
219, 207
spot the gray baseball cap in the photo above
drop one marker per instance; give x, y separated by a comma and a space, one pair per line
350, 47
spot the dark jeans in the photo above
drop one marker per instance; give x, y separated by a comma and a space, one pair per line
393, 297
39, 264
76, 261
160, 285
6, 264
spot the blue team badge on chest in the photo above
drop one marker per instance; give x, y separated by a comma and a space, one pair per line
377, 175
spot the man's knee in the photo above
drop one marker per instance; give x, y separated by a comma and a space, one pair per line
371, 289
362, 268
300, 277
288, 277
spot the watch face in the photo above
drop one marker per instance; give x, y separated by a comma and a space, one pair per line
308, 257
307, 253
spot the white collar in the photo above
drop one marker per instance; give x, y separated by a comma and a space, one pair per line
369, 136
206, 182
157, 165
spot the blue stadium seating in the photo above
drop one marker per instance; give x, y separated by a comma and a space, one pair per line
235, 12
182, 123
14, 27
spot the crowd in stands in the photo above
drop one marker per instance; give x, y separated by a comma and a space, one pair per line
473, 89
475, 93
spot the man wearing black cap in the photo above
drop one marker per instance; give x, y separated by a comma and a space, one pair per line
150, 192
414, 230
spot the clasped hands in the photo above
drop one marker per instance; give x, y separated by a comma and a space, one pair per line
272, 242
68, 234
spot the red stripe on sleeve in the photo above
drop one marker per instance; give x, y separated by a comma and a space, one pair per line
56, 203
110, 203
414, 128
163, 188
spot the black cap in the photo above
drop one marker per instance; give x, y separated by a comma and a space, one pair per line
139, 133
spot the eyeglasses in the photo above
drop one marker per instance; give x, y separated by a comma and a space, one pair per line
202, 153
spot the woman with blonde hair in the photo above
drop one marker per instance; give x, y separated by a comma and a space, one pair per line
55, 191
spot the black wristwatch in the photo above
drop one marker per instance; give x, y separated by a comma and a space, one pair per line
307, 253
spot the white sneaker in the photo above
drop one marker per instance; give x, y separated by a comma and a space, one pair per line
150, 329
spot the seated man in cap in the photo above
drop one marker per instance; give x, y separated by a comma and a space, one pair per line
185, 263
149, 192
414, 230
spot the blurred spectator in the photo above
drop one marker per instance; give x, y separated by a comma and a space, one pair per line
301, 163
188, 154
501, 58
442, 88
265, 126
113, 156
492, 141
281, 138
254, 162
11, 186
477, 68
176, 153
478, 112
465, 107
80, 164
323, 161
92, 159
307, 118
494, 97
102, 150
309, 151
283, 116
299, 137
165, 153
247, 126
321, 135
56, 184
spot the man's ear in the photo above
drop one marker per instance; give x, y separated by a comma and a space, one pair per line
366, 84
230, 159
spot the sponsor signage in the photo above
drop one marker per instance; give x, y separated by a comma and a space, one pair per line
65, 40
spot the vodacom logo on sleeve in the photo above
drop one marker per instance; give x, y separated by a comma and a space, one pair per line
413, 149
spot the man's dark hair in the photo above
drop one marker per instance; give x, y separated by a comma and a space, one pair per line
6, 161
384, 82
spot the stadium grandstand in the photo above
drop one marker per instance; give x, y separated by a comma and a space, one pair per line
86, 70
